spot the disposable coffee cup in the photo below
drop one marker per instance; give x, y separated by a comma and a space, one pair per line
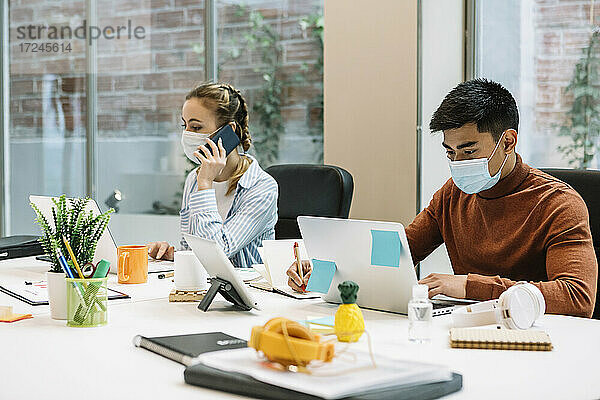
189, 272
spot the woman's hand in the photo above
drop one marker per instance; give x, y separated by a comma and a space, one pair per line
161, 251
450, 285
212, 164
294, 280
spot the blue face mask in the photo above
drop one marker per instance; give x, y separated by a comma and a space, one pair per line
473, 176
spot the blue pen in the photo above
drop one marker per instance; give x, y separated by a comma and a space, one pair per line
63, 263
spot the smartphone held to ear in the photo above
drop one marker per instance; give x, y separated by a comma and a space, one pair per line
230, 139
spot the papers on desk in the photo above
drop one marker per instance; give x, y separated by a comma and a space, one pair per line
288, 291
158, 266
282, 290
339, 378
248, 274
277, 256
36, 294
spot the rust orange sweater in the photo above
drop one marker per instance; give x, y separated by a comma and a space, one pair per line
529, 227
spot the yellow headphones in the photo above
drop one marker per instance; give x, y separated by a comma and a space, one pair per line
288, 342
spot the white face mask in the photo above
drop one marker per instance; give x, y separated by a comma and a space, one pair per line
473, 176
190, 141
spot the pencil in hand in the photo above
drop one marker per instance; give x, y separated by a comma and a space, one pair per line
299, 264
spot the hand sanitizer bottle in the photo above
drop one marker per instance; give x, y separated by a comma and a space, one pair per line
420, 313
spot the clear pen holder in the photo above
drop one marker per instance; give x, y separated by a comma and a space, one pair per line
87, 301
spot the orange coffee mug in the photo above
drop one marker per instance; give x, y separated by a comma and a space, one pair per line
132, 264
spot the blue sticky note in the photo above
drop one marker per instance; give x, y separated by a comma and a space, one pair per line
385, 248
321, 276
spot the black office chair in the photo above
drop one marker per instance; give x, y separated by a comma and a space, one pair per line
306, 189
587, 184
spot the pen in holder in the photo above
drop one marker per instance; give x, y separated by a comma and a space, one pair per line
87, 302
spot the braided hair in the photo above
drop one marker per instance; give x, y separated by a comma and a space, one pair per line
229, 106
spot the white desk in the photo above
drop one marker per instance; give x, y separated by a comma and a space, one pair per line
43, 358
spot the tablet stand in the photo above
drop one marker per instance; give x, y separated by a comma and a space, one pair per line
227, 290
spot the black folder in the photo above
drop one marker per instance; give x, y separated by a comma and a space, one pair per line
211, 378
19, 246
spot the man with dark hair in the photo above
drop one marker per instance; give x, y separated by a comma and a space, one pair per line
502, 221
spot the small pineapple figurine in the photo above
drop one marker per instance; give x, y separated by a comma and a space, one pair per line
349, 323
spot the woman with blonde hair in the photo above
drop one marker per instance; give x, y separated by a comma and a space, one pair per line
228, 197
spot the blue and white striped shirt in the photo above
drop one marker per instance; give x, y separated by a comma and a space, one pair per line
250, 220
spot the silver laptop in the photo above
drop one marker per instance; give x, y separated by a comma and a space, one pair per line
349, 243
106, 248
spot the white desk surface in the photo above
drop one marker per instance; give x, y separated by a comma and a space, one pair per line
43, 358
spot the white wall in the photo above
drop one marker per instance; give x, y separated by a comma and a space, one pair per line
442, 69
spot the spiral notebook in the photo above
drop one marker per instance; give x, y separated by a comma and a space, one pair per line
500, 339
185, 349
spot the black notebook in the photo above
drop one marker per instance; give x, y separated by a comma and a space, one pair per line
185, 348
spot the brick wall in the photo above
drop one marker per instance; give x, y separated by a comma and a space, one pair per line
142, 83
562, 31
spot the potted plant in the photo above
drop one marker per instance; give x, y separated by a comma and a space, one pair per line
583, 118
82, 229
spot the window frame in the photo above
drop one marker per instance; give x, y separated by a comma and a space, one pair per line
4, 119
91, 163
470, 40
